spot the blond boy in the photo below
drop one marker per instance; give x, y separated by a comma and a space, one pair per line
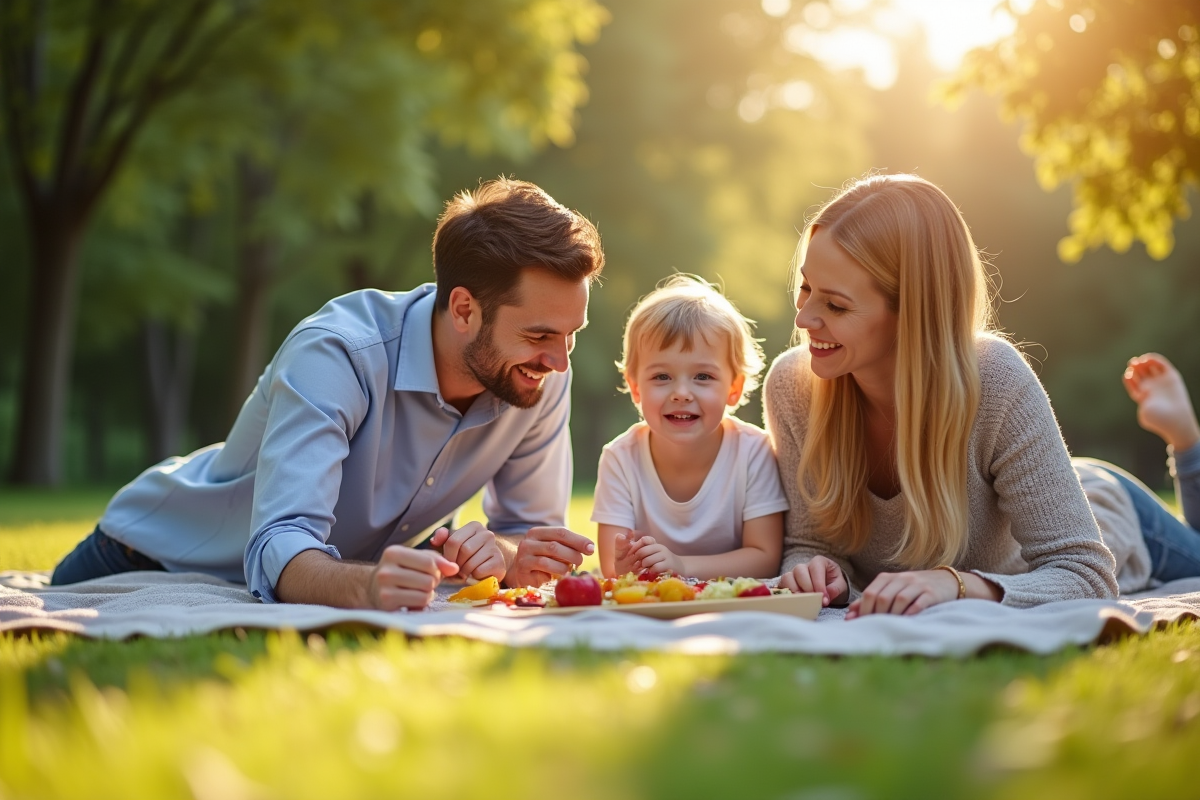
689, 489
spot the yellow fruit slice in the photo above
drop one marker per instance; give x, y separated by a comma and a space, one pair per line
673, 590
488, 587
625, 595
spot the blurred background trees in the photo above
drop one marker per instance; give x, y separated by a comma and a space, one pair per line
289, 116
310, 151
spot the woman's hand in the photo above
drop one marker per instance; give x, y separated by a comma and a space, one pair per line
649, 554
821, 575
905, 593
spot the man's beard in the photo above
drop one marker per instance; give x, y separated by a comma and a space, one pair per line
487, 366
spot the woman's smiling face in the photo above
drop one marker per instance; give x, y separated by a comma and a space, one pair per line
851, 327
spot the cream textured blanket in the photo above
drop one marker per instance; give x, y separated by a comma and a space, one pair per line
161, 604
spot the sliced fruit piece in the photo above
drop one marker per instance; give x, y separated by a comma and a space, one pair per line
630, 594
488, 587
673, 590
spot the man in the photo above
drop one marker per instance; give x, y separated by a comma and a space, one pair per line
377, 418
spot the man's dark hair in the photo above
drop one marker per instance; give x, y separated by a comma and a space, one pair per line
485, 238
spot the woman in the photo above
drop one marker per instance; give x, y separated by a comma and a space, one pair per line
918, 450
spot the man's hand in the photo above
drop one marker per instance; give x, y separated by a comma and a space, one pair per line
649, 554
547, 553
406, 578
822, 575
473, 547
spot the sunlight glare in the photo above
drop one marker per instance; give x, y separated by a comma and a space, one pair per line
846, 47
954, 27
830, 33
797, 95
849, 6
776, 8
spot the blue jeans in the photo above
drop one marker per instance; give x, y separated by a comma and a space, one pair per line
99, 555
1174, 546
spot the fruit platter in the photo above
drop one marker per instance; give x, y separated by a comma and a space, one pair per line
660, 595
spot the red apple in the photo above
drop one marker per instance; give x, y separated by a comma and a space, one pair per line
757, 590
578, 589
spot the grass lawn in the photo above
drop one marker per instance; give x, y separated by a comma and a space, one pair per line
249, 716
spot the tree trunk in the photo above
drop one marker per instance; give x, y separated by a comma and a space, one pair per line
359, 274
95, 457
48, 349
169, 371
257, 253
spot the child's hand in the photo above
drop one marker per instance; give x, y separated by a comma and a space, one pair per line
624, 559
655, 557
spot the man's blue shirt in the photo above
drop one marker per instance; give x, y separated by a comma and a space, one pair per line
347, 446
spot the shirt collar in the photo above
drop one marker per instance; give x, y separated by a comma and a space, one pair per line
415, 368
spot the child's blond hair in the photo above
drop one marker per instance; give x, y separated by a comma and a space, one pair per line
686, 307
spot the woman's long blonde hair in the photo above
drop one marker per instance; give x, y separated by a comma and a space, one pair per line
914, 243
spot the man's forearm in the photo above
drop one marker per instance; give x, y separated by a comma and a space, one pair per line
318, 578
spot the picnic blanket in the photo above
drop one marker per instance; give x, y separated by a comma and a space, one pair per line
160, 604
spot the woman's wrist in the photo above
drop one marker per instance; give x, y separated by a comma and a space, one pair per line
981, 588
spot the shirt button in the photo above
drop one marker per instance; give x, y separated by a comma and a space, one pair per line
429, 481
404, 527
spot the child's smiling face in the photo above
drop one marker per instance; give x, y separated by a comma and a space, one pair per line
682, 394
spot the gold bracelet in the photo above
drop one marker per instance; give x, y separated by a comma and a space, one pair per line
962, 586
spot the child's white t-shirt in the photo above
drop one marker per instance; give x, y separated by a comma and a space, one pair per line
742, 484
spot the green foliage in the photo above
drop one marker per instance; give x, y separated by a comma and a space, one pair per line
80, 79
331, 101
341, 98
1110, 93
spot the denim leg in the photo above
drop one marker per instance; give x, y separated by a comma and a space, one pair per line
1174, 547
99, 555
1185, 469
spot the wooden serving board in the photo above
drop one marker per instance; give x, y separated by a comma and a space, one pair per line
805, 605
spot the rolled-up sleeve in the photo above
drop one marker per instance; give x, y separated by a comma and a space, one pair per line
533, 487
316, 399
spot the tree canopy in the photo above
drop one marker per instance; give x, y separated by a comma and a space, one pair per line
1109, 91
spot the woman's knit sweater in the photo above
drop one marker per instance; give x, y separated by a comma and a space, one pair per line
1031, 530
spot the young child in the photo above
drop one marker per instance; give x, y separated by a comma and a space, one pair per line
690, 489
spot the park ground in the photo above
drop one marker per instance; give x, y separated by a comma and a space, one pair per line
246, 715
